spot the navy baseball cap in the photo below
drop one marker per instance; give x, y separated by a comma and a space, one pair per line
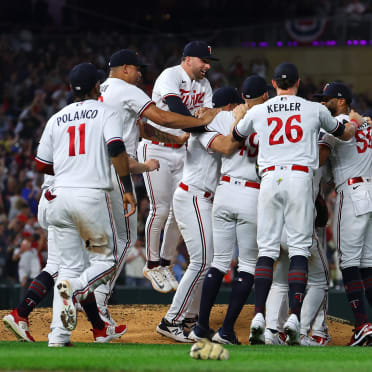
83, 77
198, 48
368, 113
254, 86
336, 90
224, 96
286, 71
125, 57
102, 75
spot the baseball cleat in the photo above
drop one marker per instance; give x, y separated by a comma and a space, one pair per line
157, 279
108, 333
105, 315
199, 332
68, 313
273, 337
360, 335
225, 338
60, 344
257, 336
313, 341
174, 331
292, 330
189, 323
18, 325
169, 276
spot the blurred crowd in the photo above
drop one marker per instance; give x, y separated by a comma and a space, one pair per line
33, 86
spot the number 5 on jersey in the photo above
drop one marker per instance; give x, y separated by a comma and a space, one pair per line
71, 131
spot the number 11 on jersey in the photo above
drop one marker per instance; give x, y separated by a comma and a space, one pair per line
71, 131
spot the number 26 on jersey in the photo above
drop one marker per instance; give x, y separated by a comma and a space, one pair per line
292, 131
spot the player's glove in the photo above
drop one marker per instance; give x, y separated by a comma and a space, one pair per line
204, 349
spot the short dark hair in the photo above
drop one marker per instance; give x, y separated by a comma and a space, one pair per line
285, 83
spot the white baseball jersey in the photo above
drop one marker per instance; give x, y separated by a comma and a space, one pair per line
288, 128
174, 81
131, 102
75, 141
48, 181
352, 158
201, 170
240, 164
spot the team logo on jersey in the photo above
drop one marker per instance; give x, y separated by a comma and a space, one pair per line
209, 49
354, 303
193, 100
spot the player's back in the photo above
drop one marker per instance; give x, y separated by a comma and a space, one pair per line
241, 163
130, 102
288, 128
80, 156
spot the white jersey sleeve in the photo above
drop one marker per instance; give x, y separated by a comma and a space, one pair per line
45, 150
206, 140
222, 122
245, 126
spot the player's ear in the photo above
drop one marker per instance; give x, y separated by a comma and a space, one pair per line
273, 82
298, 83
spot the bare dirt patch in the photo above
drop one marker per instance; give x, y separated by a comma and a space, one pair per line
142, 320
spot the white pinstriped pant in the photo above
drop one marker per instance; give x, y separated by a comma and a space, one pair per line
193, 214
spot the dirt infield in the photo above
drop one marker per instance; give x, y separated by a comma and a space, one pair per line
143, 319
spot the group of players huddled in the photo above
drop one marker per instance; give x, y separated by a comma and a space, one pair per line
225, 171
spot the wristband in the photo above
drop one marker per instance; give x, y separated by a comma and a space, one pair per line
355, 123
127, 183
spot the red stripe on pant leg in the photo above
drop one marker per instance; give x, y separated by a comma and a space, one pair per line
338, 226
95, 279
324, 264
153, 212
120, 259
204, 254
108, 203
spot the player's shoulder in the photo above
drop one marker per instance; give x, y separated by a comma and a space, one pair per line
342, 117
171, 72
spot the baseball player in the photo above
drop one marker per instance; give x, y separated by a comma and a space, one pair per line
287, 128
17, 321
234, 223
79, 207
313, 312
182, 89
120, 92
351, 167
192, 203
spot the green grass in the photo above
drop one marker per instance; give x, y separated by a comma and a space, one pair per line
175, 358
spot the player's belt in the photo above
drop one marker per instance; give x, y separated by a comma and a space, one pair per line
172, 145
351, 181
187, 188
294, 167
235, 181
